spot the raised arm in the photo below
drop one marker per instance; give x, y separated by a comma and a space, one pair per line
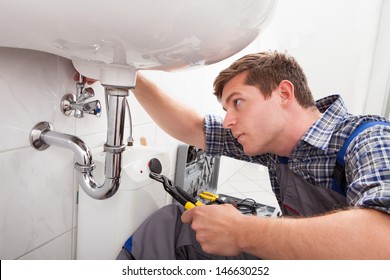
176, 119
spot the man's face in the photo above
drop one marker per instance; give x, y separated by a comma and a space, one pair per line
255, 122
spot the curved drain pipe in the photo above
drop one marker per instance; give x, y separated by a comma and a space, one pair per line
42, 136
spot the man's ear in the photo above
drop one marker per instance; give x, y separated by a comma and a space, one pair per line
286, 92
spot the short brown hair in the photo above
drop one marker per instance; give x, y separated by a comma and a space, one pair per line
265, 71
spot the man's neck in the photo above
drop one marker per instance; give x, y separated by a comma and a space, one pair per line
297, 128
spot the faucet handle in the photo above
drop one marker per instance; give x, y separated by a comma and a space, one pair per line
93, 108
85, 94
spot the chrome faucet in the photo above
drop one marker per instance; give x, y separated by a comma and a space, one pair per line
75, 103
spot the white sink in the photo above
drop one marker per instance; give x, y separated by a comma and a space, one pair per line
110, 40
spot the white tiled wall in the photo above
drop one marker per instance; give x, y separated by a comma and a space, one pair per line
37, 198
334, 42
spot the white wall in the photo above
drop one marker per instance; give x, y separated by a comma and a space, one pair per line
333, 40
37, 198
379, 87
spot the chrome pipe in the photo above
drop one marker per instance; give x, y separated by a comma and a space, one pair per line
116, 112
83, 155
42, 136
130, 139
78, 113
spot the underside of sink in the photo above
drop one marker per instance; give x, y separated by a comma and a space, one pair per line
113, 39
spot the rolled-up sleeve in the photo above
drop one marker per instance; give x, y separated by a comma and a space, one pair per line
369, 170
215, 134
220, 141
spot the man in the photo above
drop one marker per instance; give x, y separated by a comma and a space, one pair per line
272, 119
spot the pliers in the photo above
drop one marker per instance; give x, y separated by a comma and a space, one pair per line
177, 193
211, 197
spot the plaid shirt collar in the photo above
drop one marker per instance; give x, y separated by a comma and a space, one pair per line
320, 133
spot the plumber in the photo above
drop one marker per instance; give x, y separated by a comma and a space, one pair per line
271, 119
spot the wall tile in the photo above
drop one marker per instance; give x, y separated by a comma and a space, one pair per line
37, 195
31, 86
36, 198
57, 249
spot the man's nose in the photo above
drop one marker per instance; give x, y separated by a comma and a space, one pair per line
229, 120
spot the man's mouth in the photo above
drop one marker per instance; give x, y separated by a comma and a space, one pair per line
238, 136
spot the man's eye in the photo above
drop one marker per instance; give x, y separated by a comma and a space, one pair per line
237, 102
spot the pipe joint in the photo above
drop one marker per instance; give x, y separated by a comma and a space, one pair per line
114, 149
84, 168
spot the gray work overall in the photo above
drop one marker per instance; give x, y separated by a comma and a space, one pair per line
164, 236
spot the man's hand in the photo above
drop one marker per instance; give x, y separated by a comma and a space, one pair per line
217, 228
86, 80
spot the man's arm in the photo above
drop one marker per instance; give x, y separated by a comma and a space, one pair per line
179, 121
347, 234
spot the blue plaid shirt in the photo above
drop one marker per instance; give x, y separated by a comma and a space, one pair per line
367, 160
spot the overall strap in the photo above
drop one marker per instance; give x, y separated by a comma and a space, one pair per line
339, 179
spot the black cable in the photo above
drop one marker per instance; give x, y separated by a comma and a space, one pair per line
247, 205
